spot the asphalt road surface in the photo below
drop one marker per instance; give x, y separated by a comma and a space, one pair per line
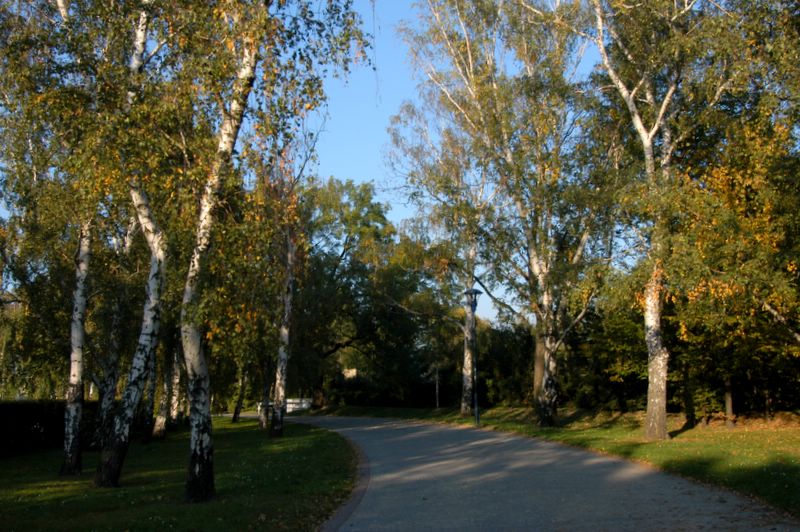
417, 476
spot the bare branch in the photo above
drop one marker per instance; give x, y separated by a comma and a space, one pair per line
63, 9
576, 321
780, 318
663, 109
496, 300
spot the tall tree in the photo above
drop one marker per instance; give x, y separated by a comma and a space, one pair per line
491, 69
53, 89
74, 401
556, 189
653, 56
454, 195
285, 180
287, 39
115, 447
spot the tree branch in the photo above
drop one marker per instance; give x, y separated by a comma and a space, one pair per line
780, 318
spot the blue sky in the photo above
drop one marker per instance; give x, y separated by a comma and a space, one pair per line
354, 141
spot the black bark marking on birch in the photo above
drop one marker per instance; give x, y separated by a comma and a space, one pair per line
72, 463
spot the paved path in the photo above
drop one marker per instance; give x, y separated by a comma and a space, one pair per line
418, 476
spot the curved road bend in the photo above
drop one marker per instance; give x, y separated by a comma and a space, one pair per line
436, 477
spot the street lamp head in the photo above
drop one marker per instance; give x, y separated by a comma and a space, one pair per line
472, 297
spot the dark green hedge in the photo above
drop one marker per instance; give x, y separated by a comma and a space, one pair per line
35, 425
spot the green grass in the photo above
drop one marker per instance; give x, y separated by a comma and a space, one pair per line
755, 458
290, 483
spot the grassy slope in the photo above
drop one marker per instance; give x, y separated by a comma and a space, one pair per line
757, 459
293, 483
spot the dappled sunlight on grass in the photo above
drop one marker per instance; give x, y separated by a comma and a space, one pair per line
294, 482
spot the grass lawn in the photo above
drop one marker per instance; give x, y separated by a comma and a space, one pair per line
293, 483
755, 458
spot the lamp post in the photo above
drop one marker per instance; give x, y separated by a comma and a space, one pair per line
472, 300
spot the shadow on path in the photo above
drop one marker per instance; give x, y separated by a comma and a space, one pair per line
437, 477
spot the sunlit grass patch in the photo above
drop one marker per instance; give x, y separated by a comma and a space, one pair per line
293, 483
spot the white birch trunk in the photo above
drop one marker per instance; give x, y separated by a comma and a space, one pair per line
108, 384
72, 464
279, 400
547, 400
149, 406
63, 9
468, 363
113, 455
200, 480
263, 411
658, 355
160, 424
467, 366
175, 389
657, 362
546, 345
110, 363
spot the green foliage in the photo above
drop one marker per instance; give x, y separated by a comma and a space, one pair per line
505, 370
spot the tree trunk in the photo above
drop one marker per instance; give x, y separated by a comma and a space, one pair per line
148, 409
730, 419
113, 454
108, 384
688, 398
658, 360
200, 479
547, 398
538, 367
437, 387
160, 425
237, 410
468, 366
115, 449
175, 390
263, 411
72, 463
105, 414
279, 403
767, 404
658, 356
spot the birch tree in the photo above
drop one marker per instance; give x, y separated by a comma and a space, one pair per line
557, 191
143, 363
651, 55
200, 481
56, 99
74, 401
453, 193
492, 69
289, 37
285, 180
